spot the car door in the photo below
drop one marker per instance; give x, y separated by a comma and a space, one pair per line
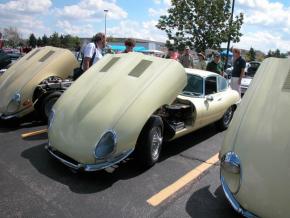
212, 100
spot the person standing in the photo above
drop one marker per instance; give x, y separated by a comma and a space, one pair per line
130, 44
238, 70
186, 58
201, 62
92, 52
216, 65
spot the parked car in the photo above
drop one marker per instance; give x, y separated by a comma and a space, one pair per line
132, 101
249, 75
255, 153
5, 60
29, 83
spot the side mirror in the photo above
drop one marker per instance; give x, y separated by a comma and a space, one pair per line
209, 98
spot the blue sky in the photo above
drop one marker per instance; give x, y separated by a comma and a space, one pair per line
266, 25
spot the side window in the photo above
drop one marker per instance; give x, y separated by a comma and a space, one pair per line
222, 84
210, 85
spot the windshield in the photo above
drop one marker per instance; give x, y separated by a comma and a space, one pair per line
194, 85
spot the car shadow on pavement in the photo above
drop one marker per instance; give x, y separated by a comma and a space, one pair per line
30, 120
80, 182
91, 182
205, 204
183, 143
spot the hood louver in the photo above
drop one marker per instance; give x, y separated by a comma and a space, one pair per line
286, 86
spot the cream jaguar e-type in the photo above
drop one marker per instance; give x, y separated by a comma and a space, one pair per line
25, 85
130, 102
255, 156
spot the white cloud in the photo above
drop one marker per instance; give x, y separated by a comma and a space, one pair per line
141, 30
26, 6
264, 41
79, 30
264, 12
22, 14
157, 12
93, 9
157, 1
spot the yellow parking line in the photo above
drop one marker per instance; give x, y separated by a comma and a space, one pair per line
29, 134
183, 181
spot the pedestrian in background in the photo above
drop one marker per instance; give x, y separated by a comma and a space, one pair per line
130, 44
216, 65
238, 70
92, 52
186, 58
201, 62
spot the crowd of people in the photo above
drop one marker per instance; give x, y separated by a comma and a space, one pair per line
92, 53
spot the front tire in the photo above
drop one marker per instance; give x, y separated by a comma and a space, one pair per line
149, 143
47, 103
225, 121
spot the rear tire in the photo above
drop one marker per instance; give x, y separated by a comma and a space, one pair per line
225, 121
149, 143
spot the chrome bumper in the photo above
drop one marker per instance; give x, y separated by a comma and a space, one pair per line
235, 204
18, 114
88, 167
7, 117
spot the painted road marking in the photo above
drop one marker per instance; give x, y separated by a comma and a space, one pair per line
34, 133
161, 196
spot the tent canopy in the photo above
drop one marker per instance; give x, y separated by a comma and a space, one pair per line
224, 53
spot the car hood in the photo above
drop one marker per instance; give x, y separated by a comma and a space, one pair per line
29, 68
118, 86
259, 134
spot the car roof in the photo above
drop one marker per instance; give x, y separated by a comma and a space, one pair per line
201, 73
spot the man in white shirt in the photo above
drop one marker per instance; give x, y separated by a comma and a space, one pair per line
93, 51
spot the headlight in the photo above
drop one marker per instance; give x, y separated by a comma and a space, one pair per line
51, 118
106, 145
231, 170
14, 103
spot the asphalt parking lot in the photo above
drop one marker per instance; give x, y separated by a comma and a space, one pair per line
33, 184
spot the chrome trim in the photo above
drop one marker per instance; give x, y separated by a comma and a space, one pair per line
234, 203
231, 163
92, 167
14, 115
238, 162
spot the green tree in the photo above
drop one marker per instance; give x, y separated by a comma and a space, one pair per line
32, 41
54, 40
44, 40
277, 53
251, 55
270, 54
200, 23
39, 42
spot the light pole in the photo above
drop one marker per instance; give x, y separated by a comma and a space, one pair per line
106, 11
229, 39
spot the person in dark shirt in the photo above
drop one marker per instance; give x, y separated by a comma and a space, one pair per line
238, 70
216, 65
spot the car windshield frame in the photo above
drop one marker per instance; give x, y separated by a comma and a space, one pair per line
190, 93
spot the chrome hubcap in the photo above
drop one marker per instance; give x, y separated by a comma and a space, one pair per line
228, 116
156, 142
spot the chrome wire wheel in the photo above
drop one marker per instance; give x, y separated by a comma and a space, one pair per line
156, 142
228, 116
